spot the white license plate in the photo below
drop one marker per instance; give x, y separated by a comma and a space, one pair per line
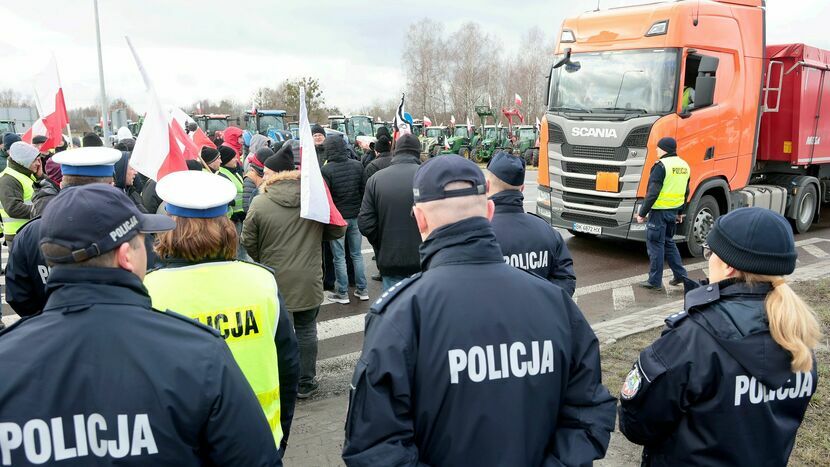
590, 229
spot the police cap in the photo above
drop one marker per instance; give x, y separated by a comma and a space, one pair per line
88, 162
94, 219
196, 194
508, 168
438, 172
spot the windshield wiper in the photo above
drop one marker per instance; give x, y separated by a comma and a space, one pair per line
627, 109
569, 109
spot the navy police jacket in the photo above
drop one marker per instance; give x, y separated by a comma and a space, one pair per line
474, 362
530, 243
716, 389
105, 380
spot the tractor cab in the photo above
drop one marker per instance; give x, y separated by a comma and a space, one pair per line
211, 123
270, 123
433, 140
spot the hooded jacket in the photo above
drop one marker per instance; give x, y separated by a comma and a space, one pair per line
382, 161
417, 396
275, 235
231, 139
386, 220
120, 181
344, 177
529, 243
715, 389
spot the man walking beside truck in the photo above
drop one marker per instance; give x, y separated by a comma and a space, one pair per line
668, 190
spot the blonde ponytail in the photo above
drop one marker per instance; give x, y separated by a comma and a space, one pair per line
792, 323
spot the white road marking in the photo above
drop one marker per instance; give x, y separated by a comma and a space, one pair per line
623, 297
815, 251
340, 326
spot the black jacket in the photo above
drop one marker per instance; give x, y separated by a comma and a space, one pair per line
161, 388
655, 185
435, 384
528, 242
716, 389
382, 161
368, 157
344, 177
120, 181
386, 217
26, 272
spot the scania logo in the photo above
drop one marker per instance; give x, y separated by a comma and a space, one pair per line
595, 132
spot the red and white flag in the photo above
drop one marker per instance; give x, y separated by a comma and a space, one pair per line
538, 123
51, 108
188, 147
518, 100
452, 120
427, 121
200, 139
315, 199
199, 107
158, 149
469, 126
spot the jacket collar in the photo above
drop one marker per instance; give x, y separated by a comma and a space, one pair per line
383, 154
509, 201
468, 241
74, 287
669, 154
405, 159
15, 166
709, 293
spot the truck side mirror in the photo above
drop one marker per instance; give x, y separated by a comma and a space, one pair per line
685, 113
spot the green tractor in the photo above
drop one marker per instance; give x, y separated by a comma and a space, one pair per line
7, 126
358, 129
459, 142
489, 138
432, 142
527, 144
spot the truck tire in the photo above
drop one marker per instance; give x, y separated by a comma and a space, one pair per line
464, 152
806, 202
475, 156
700, 220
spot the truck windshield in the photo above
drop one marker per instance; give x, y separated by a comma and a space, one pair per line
642, 81
216, 124
268, 122
460, 131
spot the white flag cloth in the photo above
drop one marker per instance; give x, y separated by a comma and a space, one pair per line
313, 199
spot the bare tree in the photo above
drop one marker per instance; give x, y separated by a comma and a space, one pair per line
423, 62
472, 68
11, 98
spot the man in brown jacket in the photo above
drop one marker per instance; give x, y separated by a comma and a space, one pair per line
275, 235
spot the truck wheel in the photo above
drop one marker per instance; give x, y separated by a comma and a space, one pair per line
806, 202
700, 221
464, 152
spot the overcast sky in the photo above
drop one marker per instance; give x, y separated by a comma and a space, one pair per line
226, 49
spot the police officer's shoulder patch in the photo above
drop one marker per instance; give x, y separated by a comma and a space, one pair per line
632, 383
674, 319
190, 321
387, 296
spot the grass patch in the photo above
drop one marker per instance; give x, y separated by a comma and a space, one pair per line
812, 445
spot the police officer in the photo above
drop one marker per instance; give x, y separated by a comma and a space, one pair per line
27, 271
730, 379
240, 300
668, 190
109, 380
460, 366
526, 241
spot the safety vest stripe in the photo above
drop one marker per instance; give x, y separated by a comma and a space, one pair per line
12, 224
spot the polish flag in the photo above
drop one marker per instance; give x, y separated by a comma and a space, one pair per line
200, 139
452, 120
199, 107
518, 100
315, 199
178, 122
427, 121
538, 123
469, 126
158, 149
50, 106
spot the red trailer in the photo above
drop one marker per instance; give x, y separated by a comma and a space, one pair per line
795, 129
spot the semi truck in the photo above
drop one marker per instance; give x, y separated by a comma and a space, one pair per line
751, 119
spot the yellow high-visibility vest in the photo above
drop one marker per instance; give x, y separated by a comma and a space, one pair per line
240, 188
673, 194
246, 315
11, 224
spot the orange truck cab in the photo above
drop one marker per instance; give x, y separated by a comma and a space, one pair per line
698, 71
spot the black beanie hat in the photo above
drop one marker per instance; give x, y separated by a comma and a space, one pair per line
39, 139
383, 131
226, 153
193, 164
262, 155
317, 129
9, 139
668, 144
383, 144
408, 144
91, 140
209, 154
754, 240
282, 161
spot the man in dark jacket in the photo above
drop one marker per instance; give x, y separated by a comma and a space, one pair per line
385, 216
447, 350
166, 389
527, 241
383, 159
344, 177
318, 133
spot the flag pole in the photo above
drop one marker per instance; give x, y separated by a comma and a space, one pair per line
104, 116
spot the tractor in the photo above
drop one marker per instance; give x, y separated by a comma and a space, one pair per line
433, 140
270, 123
358, 129
458, 142
294, 128
489, 138
7, 126
211, 123
527, 144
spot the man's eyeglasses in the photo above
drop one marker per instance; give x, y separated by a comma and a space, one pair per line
707, 252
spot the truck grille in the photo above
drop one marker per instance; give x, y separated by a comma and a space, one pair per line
595, 152
589, 219
599, 201
557, 135
638, 138
579, 183
590, 169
